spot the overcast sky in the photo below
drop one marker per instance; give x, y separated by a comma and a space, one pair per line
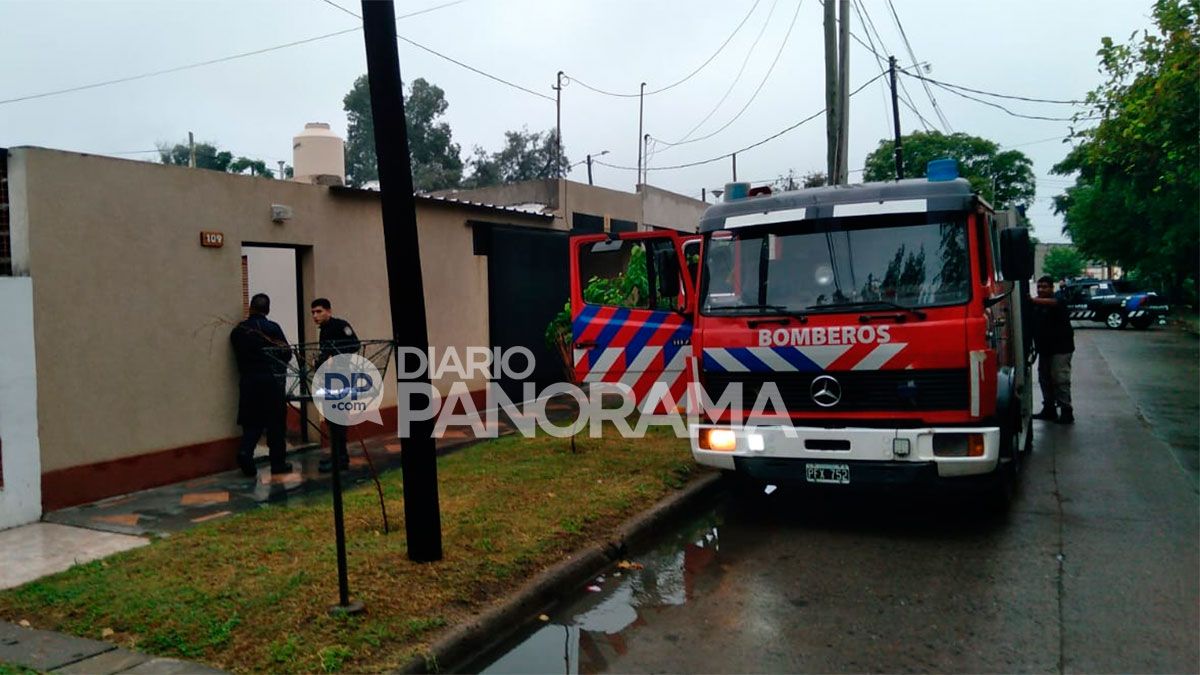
253, 106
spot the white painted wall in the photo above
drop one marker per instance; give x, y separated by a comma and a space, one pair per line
21, 496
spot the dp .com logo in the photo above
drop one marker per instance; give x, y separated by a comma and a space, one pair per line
348, 390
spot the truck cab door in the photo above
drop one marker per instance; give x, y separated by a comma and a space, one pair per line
631, 307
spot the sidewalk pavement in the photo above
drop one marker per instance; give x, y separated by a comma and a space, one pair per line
49, 652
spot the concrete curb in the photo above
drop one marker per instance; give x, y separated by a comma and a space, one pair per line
483, 632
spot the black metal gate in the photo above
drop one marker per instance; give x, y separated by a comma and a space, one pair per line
528, 283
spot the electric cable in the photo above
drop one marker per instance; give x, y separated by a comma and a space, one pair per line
1030, 99
902, 95
908, 45
772, 137
453, 60
763, 82
736, 78
1010, 112
685, 78
208, 62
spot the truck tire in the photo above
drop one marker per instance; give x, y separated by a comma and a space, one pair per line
1002, 483
1115, 319
1142, 322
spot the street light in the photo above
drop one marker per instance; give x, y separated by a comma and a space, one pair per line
588, 161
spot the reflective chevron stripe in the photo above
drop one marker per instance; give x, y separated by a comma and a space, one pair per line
793, 359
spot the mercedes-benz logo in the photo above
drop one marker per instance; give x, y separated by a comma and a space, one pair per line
825, 391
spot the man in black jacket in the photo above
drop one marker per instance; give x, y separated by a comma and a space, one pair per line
1055, 342
337, 337
261, 403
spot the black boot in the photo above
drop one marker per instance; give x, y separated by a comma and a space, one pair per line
1048, 413
326, 464
246, 464
1067, 416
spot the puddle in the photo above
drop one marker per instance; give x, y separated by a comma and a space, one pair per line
590, 627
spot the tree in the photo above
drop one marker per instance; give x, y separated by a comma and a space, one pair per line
436, 163
1004, 178
209, 156
527, 155
1063, 262
1137, 172
790, 182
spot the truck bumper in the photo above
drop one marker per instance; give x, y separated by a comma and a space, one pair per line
782, 454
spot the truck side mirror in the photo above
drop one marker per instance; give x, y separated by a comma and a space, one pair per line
667, 269
1016, 254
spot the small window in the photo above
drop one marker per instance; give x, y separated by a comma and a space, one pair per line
586, 223
633, 274
981, 240
618, 225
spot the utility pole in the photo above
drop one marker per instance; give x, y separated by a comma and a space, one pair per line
704, 195
281, 163
641, 109
646, 158
589, 163
831, 94
843, 115
406, 293
734, 167
558, 125
191, 150
896, 119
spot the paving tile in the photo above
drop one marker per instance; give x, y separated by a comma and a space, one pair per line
114, 661
127, 519
212, 516
44, 650
38, 549
204, 498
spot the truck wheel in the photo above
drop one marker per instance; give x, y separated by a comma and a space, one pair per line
1142, 322
1115, 319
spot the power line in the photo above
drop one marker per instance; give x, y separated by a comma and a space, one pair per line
753, 96
1006, 110
903, 94
176, 69
994, 94
913, 56
772, 137
685, 78
736, 78
209, 62
453, 60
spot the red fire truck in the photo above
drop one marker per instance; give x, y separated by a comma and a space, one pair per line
884, 317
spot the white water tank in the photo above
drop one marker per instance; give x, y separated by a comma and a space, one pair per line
318, 156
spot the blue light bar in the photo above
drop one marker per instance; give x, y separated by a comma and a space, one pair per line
736, 191
941, 170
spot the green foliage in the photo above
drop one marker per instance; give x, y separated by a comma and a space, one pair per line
791, 181
526, 155
333, 657
1003, 177
1137, 173
436, 164
209, 156
1063, 262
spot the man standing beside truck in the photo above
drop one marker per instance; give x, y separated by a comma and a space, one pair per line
1055, 342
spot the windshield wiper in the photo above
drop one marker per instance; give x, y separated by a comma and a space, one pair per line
759, 309
886, 304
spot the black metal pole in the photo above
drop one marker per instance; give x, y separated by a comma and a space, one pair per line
589, 169
896, 119
406, 293
339, 529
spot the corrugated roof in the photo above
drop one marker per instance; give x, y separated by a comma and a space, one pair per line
450, 201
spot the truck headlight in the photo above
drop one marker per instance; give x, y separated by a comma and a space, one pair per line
718, 439
958, 445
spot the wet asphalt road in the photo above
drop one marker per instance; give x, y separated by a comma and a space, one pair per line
1096, 568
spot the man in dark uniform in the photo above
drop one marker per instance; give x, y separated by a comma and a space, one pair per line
337, 337
261, 404
1055, 342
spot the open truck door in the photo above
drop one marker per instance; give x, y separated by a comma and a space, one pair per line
632, 299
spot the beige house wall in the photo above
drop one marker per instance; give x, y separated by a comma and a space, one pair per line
132, 315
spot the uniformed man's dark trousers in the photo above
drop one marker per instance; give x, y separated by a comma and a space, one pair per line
337, 444
275, 427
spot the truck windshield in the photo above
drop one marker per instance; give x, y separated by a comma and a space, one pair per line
831, 265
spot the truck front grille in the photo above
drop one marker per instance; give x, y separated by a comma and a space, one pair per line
860, 390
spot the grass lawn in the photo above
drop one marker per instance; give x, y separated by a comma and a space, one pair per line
250, 593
